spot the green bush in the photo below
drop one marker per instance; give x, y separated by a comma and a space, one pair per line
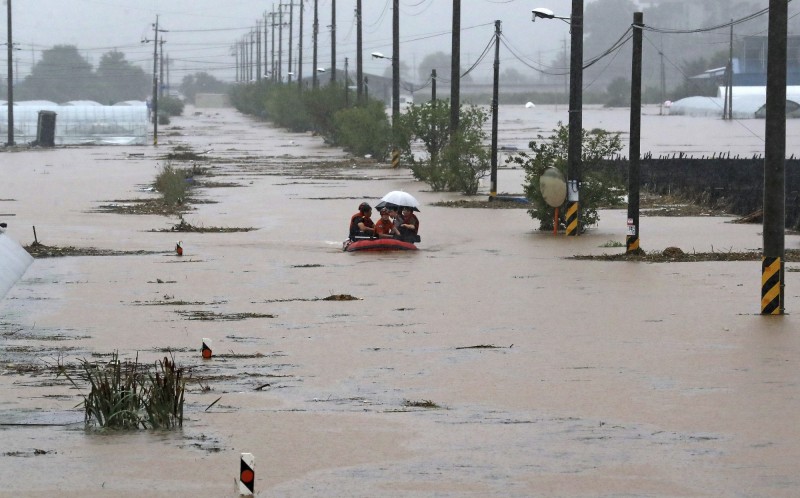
286, 108
364, 130
453, 163
598, 186
321, 104
170, 105
171, 183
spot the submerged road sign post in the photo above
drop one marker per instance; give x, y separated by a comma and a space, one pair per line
247, 475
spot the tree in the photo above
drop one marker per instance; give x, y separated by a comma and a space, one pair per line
598, 187
61, 75
119, 80
192, 84
512, 75
439, 61
453, 163
619, 92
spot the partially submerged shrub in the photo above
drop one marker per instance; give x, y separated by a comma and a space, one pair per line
171, 183
170, 105
454, 163
127, 395
364, 130
598, 187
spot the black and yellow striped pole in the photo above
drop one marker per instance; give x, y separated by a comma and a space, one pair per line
575, 118
772, 281
395, 157
771, 286
571, 215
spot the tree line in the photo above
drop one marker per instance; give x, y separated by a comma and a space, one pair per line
63, 74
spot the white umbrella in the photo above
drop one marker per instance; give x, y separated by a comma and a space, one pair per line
400, 198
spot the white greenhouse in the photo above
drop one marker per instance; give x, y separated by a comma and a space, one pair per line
80, 123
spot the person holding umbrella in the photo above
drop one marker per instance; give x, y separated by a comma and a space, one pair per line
409, 225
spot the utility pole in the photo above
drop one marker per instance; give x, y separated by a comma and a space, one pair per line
395, 81
280, 43
495, 98
272, 25
729, 83
258, 51
575, 119
455, 68
359, 58
300, 50
395, 63
291, 26
266, 65
315, 34
155, 83
10, 89
433, 86
634, 154
333, 41
772, 264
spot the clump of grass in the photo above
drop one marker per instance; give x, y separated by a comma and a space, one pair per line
425, 403
171, 183
613, 243
128, 395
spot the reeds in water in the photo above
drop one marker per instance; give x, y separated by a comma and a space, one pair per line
129, 395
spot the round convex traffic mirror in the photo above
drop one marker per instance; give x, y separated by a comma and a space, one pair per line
553, 186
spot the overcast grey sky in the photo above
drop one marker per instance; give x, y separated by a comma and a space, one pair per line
202, 32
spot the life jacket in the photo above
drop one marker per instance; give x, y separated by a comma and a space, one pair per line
357, 218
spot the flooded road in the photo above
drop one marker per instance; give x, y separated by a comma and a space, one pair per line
484, 364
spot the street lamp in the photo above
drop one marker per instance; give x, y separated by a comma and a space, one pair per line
543, 13
575, 22
395, 87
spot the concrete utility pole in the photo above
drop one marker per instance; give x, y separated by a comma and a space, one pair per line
395, 81
455, 68
772, 270
291, 28
395, 64
575, 118
333, 41
495, 98
359, 57
315, 34
300, 51
258, 51
634, 154
266, 53
274, 68
10, 89
280, 43
155, 83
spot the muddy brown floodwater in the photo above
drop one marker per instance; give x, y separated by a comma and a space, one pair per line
488, 363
